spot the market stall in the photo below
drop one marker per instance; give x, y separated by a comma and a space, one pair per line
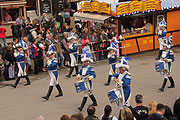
137, 21
10, 11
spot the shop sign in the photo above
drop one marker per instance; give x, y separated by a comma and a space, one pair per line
86, 6
105, 8
122, 9
136, 7
95, 6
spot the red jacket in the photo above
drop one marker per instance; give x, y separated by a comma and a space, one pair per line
84, 43
2, 32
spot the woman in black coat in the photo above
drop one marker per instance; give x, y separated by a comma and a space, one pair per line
16, 32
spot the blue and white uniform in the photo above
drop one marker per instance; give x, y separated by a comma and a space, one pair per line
162, 38
20, 60
73, 48
112, 61
52, 69
52, 48
124, 86
169, 55
90, 72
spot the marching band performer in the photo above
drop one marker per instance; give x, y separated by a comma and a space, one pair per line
123, 81
88, 74
161, 37
53, 73
168, 57
73, 48
20, 60
112, 57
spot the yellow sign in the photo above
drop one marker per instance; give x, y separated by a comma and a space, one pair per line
152, 5
95, 6
105, 8
86, 6
136, 6
122, 9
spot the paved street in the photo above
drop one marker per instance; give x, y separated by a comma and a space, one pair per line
25, 103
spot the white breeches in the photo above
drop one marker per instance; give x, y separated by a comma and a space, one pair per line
52, 79
73, 60
21, 71
166, 74
111, 72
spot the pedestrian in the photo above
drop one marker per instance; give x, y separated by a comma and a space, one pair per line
140, 112
2, 36
107, 114
168, 57
176, 108
161, 37
159, 115
34, 50
73, 55
16, 33
112, 57
88, 74
152, 107
91, 113
123, 81
53, 73
20, 60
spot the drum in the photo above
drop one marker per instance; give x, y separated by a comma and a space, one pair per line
160, 66
114, 95
80, 86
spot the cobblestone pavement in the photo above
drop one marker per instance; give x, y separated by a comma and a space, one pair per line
25, 103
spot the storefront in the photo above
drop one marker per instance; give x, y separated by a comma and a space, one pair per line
137, 21
10, 10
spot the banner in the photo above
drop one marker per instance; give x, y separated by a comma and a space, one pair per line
136, 7
95, 6
152, 5
122, 9
105, 8
85, 6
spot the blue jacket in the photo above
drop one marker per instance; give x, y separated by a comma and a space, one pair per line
112, 58
90, 71
20, 56
162, 34
170, 57
73, 49
126, 81
52, 64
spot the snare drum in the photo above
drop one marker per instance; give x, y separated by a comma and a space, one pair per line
114, 95
160, 66
80, 86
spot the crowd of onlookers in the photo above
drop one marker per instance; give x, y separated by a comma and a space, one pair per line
43, 34
155, 111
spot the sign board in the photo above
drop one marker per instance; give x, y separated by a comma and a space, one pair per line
45, 6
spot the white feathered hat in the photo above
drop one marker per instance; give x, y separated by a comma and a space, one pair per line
86, 56
123, 62
162, 23
112, 46
18, 45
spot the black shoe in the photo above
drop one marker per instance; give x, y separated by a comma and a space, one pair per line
161, 89
94, 104
68, 76
59, 90
106, 84
49, 93
27, 84
93, 100
74, 75
14, 86
79, 109
171, 86
46, 97
156, 58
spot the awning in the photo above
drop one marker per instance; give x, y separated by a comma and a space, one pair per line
12, 4
168, 4
92, 17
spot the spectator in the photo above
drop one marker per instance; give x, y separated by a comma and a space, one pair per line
34, 33
152, 107
57, 45
15, 41
44, 21
2, 36
9, 63
59, 19
64, 117
107, 114
29, 27
140, 112
34, 50
80, 116
54, 30
168, 114
85, 33
16, 30
91, 113
86, 43
126, 114
41, 56
177, 108
159, 114
66, 28
8, 17
67, 15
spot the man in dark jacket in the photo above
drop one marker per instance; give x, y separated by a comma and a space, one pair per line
159, 114
91, 113
177, 108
